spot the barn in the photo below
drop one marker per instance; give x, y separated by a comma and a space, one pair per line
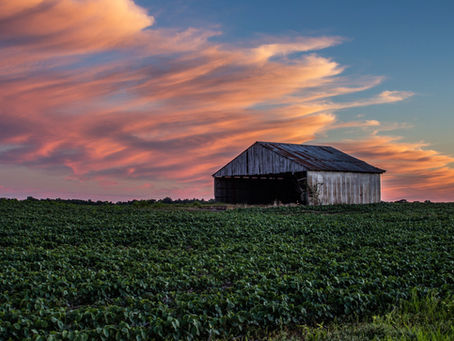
269, 172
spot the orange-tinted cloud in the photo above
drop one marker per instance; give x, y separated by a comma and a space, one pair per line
92, 93
413, 171
71, 25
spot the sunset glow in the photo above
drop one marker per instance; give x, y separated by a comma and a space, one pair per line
99, 101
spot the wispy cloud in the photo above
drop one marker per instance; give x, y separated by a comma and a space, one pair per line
93, 91
414, 171
71, 26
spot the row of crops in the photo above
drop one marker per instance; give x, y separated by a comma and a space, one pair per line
80, 272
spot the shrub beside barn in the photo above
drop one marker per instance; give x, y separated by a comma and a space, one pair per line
270, 172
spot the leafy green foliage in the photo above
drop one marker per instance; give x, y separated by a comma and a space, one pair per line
424, 318
79, 272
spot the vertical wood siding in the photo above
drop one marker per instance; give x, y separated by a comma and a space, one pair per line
258, 160
330, 188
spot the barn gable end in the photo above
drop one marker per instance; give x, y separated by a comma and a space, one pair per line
258, 160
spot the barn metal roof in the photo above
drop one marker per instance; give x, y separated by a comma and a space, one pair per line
320, 158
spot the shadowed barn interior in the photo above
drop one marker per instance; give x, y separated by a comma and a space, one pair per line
270, 172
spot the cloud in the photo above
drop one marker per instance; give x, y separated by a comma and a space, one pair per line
414, 171
264, 52
93, 93
71, 25
382, 98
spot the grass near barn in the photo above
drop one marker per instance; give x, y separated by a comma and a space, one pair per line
154, 271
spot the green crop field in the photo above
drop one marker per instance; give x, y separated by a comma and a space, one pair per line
142, 272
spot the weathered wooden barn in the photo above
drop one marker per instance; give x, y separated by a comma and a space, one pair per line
270, 172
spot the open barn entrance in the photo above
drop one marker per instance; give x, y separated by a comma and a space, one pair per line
266, 189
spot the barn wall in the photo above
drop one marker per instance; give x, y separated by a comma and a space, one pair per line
327, 188
258, 160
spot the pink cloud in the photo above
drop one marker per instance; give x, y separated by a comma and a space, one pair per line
70, 25
413, 172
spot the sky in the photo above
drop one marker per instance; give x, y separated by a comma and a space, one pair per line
119, 99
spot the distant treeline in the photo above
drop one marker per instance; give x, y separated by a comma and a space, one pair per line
166, 200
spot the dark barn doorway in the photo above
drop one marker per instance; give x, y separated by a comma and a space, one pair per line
283, 188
